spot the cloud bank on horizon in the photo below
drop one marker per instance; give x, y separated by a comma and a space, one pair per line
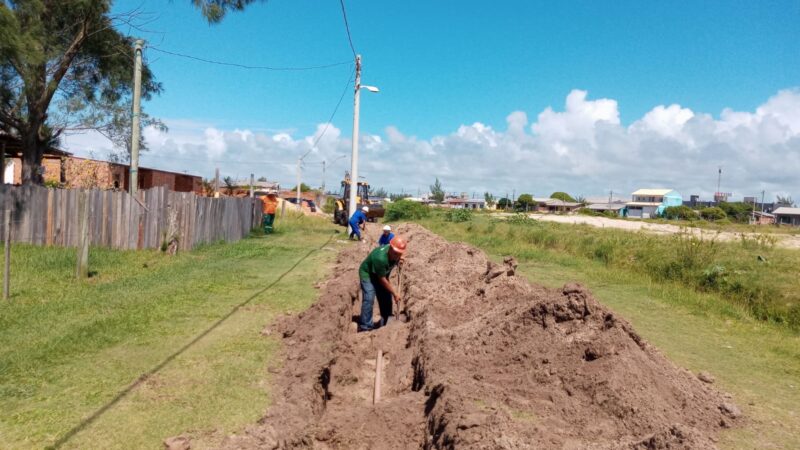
583, 149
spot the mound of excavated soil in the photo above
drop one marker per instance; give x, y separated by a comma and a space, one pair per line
486, 360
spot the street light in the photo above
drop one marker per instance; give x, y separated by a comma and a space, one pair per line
354, 160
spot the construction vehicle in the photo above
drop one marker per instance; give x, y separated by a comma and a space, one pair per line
341, 206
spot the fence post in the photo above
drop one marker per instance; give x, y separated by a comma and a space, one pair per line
82, 266
283, 208
7, 268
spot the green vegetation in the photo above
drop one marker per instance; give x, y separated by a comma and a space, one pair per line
406, 210
192, 321
681, 212
713, 213
563, 196
524, 201
752, 275
437, 191
756, 361
303, 188
458, 215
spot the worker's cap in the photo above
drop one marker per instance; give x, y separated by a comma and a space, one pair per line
398, 244
387, 228
365, 209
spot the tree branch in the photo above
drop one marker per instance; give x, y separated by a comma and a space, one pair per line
64, 63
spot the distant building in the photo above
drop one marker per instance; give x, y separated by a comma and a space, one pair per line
762, 218
620, 209
466, 203
787, 216
64, 169
554, 205
649, 203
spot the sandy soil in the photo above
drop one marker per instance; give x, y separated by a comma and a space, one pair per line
783, 240
485, 360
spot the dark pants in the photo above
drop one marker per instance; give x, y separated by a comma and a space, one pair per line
355, 231
267, 222
369, 290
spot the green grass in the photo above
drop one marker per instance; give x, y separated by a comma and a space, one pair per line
753, 275
69, 348
756, 361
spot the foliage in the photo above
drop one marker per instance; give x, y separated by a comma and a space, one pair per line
785, 201
437, 192
303, 188
681, 212
208, 187
737, 211
396, 197
504, 203
378, 193
230, 185
563, 196
712, 213
64, 67
489, 199
524, 201
214, 10
262, 179
458, 215
406, 210
520, 219
330, 205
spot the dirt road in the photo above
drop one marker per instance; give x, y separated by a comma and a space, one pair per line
486, 360
782, 240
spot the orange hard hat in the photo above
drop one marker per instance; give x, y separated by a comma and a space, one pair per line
398, 244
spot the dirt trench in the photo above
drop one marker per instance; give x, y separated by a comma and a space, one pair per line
486, 360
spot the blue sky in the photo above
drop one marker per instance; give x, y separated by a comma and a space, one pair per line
444, 64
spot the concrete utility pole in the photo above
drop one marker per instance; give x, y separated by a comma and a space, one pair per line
762, 201
299, 161
135, 126
252, 181
3, 163
354, 160
323, 177
216, 182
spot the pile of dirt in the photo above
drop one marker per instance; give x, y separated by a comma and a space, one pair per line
485, 360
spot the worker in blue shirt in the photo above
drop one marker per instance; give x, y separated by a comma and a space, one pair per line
386, 237
358, 222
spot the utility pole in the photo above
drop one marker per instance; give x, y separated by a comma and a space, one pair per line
135, 126
610, 197
216, 182
762, 201
299, 161
354, 159
252, 181
323, 177
3, 164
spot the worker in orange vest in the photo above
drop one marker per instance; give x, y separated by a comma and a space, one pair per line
269, 204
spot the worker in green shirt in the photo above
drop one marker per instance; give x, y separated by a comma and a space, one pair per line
374, 275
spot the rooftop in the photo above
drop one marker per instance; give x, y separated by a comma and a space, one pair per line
786, 211
653, 192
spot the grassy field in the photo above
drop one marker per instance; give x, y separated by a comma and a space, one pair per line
756, 361
71, 352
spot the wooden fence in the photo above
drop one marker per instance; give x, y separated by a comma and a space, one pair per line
45, 216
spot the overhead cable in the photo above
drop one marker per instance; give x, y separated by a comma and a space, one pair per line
245, 66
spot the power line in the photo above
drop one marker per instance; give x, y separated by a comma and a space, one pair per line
347, 28
330, 119
245, 66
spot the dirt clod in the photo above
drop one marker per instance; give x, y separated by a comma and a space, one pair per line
706, 377
177, 443
486, 360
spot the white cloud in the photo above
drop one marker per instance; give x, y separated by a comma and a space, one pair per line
583, 149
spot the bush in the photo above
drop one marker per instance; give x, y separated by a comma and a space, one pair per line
563, 196
330, 205
458, 215
406, 210
588, 212
712, 213
680, 213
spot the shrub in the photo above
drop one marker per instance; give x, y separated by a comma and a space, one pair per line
330, 205
680, 213
406, 210
458, 215
520, 219
588, 212
563, 196
712, 213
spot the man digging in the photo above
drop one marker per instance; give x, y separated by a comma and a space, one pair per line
374, 275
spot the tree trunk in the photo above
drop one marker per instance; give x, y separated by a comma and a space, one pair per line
32, 151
